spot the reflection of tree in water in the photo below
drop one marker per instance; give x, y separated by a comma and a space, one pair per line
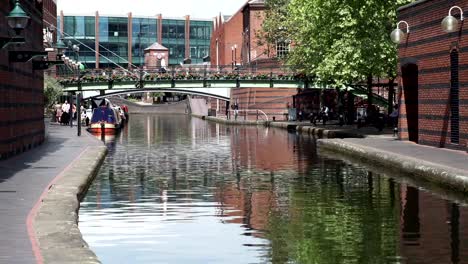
336, 222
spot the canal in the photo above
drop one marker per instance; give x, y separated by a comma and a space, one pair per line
176, 189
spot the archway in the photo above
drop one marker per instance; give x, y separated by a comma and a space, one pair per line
409, 74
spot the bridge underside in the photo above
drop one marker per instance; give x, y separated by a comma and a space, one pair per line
221, 93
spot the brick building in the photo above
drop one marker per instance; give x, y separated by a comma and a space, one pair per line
21, 87
234, 41
434, 76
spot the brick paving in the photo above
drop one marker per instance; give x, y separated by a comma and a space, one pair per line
23, 178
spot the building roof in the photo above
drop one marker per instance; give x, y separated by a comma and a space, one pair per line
156, 46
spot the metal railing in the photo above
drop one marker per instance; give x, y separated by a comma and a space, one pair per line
186, 72
245, 113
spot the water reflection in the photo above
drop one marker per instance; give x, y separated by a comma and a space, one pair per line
180, 190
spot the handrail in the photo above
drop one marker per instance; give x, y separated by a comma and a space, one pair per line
252, 110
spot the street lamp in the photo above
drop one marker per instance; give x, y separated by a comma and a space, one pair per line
17, 20
450, 23
397, 34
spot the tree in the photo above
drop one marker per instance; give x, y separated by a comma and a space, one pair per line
344, 42
274, 25
52, 91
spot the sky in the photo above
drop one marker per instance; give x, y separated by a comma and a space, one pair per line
168, 8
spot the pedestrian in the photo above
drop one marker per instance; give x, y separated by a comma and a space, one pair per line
58, 112
65, 113
394, 119
74, 112
324, 114
236, 111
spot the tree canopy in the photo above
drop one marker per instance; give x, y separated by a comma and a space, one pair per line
337, 41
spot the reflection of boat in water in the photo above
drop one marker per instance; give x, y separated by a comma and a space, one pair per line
106, 119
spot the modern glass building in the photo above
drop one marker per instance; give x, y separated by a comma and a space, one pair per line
123, 39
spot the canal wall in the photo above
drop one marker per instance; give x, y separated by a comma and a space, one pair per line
434, 173
198, 106
56, 221
317, 132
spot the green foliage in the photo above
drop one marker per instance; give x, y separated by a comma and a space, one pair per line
338, 41
274, 25
52, 91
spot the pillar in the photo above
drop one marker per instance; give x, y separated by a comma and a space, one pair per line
130, 40
187, 36
96, 37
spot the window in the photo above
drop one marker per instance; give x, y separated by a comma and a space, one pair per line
282, 48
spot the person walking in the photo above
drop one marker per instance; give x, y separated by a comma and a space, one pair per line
236, 111
58, 112
394, 119
65, 113
324, 114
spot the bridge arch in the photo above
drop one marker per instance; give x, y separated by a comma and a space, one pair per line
171, 90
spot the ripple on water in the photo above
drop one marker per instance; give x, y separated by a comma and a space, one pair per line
179, 190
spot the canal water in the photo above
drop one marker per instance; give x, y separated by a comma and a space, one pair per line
175, 189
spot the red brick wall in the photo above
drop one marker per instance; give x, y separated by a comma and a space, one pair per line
21, 88
228, 34
258, 52
272, 101
429, 47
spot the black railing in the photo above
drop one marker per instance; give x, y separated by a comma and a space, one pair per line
199, 72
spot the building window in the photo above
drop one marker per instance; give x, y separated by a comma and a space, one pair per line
282, 49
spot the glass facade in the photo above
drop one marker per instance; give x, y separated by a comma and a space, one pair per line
200, 35
173, 38
114, 38
144, 34
80, 30
113, 41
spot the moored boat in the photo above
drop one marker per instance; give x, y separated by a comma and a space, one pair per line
106, 119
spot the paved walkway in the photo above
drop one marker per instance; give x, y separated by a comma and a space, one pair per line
443, 157
23, 178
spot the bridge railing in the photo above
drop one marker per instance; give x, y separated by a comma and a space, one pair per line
185, 72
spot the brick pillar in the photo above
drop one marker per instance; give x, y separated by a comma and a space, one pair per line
159, 30
130, 33
96, 42
187, 36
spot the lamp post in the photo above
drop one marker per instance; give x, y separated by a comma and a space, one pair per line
397, 34
17, 20
450, 23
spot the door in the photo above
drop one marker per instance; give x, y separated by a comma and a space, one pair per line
410, 90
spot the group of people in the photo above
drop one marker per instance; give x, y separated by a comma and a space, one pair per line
315, 115
371, 115
64, 113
